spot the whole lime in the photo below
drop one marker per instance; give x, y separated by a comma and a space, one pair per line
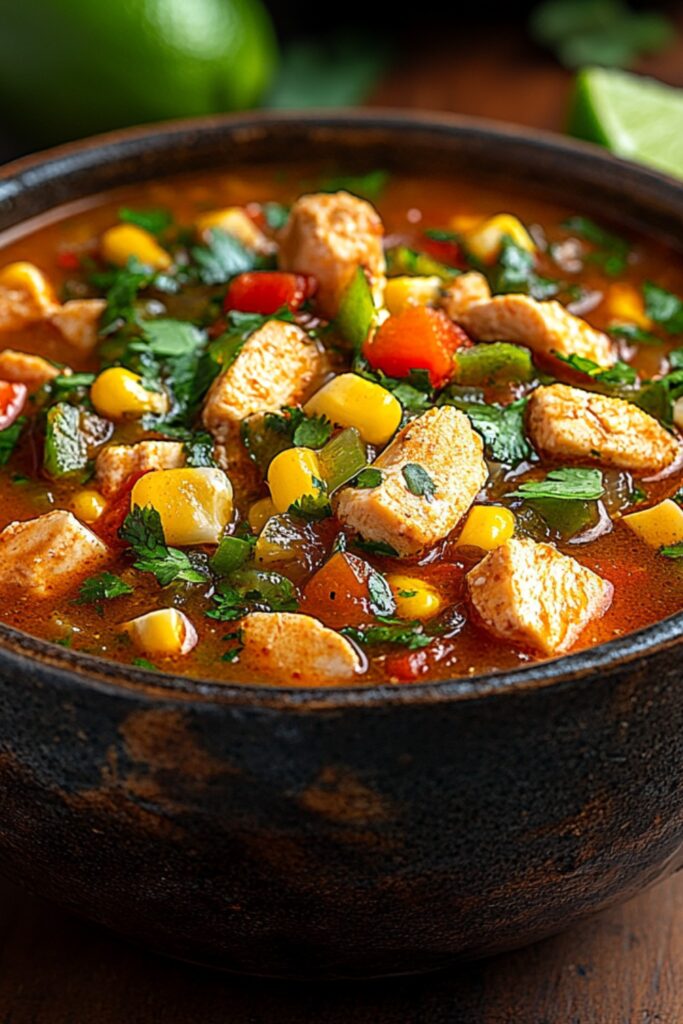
73, 67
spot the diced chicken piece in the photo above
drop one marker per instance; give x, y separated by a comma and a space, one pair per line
568, 423
26, 296
77, 322
119, 462
236, 222
536, 597
544, 327
297, 650
440, 443
25, 368
330, 235
48, 556
465, 291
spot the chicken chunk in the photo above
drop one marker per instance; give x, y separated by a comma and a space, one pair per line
441, 450
545, 327
295, 649
465, 291
119, 462
77, 322
275, 367
48, 556
25, 368
27, 300
568, 423
536, 597
330, 235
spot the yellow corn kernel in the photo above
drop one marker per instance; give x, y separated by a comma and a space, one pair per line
234, 221
119, 394
461, 223
26, 277
351, 401
626, 304
195, 504
414, 598
165, 632
118, 244
292, 475
657, 526
87, 505
259, 513
484, 242
487, 527
401, 292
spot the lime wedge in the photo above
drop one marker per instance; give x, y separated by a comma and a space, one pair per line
635, 117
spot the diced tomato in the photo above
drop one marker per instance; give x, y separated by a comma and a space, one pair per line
12, 401
407, 666
419, 338
445, 251
338, 593
68, 260
264, 291
110, 522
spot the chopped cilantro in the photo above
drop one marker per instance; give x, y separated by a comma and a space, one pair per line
663, 307
610, 251
418, 481
103, 587
375, 547
143, 531
619, 375
381, 597
9, 438
406, 634
252, 590
515, 271
501, 426
368, 477
122, 287
276, 215
302, 430
312, 506
144, 663
567, 484
169, 338
199, 450
672, 550
634, 335
221, 258
154, 221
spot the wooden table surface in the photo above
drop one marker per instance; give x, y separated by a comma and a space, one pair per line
623, 967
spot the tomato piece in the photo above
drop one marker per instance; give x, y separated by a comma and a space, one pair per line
338, 592
67, 259
264, 291
419, 338
407, 666
12, 401
110, 522
443, 250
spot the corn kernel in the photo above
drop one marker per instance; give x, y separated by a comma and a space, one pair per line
461, 223
292, 475
26, 277
414, 598
164, 632
234, 221
626, 305
351, 401
401, 292
485, 241
487, 527
119, 394
195, 504
120, 243
657, 526
87, 505
259, 513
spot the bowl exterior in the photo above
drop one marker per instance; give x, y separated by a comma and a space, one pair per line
364, 834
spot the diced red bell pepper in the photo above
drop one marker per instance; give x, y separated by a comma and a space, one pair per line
407, 666
419, 338
67, 259
264, 291
443, 250
12, 401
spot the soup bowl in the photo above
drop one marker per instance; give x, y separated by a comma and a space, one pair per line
343, 832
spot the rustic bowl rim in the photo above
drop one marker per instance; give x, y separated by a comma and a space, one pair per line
24, 652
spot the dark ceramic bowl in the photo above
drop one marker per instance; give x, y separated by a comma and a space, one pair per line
343, 832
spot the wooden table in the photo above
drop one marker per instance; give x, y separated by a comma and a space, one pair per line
623, 967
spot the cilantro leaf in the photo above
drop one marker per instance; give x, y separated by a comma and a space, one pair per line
375, 547
418, 481
634, 334
143, 531
368, 477
154, 221
501, 426
312, 432
381, 597
9, 438
199, 450
515, 271
276, 215
252, 590
169, 339
406, 634
621, 374
122, 287
567, 484
103, 587
610, 251
663, 307
672, 550
221, 258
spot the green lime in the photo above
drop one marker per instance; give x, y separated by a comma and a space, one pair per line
635, 117
74, 67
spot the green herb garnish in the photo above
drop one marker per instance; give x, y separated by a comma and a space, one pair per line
143, 531
567, 484
103, 587
418, 481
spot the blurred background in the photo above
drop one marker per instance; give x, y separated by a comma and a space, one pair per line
70, 68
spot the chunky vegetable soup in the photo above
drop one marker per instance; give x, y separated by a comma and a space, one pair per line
300, 429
